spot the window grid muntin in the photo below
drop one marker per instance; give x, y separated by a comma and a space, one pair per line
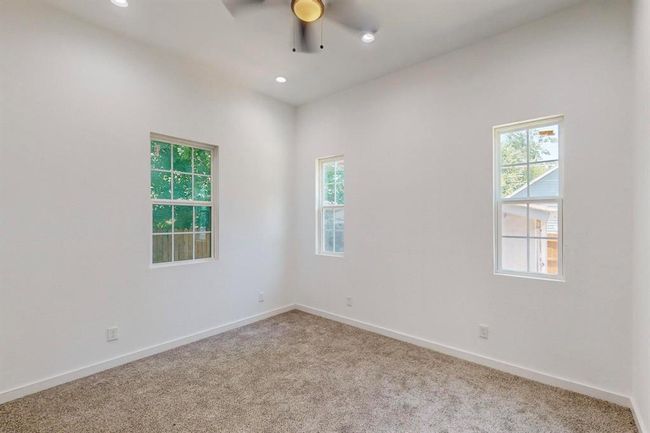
522, 164
322, 206
182, 202
528, 238
528, 200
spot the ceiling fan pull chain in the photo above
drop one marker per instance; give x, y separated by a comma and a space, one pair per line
321, 34
294, 38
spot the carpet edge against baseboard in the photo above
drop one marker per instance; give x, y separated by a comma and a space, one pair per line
636, 413
527, 373
545, 378
81, 372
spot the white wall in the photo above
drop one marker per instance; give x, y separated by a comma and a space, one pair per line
78, 104
418, 149
642, 214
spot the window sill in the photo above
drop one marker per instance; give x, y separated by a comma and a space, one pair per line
339, 256
182, 263
558, 279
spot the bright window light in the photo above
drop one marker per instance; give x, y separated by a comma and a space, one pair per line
331, 206
528, 198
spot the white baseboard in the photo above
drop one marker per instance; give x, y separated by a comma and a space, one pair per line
548, 379
636, 411
49, 382
507, 367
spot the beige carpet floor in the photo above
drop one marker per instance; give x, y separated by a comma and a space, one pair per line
297, 373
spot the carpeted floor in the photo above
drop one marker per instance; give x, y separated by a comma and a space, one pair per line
304, 374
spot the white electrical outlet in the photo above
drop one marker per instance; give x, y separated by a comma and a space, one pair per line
483, 332
260, 296
348, 301
112, 334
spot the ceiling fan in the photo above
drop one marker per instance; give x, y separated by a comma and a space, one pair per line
309, 14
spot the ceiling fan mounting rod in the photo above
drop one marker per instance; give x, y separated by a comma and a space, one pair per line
345, 13
304, 36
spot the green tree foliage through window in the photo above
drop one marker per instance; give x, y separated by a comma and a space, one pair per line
525, 156
181, 191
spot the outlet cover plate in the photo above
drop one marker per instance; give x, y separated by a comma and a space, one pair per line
112, 334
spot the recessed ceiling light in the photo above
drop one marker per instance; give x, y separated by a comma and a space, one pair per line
280, 80
368, 38
120, 3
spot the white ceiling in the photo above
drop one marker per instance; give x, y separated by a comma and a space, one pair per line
256, 46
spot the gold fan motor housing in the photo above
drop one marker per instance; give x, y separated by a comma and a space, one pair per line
307, 11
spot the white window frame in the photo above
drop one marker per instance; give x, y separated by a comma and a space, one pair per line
213, 203
321, 206
499, 201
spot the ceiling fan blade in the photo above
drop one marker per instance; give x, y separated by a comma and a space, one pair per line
307, 37
237, 6
351, 16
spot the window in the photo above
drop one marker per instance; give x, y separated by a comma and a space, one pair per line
528, 198
331, 201
182, 197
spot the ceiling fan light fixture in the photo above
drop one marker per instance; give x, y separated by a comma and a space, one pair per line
120, 3
307, 11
